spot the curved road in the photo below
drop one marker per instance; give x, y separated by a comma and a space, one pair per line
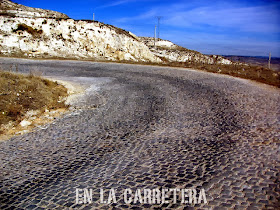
143, 127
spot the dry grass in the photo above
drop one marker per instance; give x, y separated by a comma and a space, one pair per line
22, 93
256, 73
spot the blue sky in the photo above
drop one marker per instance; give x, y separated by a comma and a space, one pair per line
235, 27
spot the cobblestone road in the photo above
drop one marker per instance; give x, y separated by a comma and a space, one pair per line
147, 127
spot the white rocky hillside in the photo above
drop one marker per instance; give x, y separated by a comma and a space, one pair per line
29, 36
170, 52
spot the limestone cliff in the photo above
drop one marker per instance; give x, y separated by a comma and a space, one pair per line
67, 38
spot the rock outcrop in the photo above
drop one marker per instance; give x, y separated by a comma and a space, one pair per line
170, 52
11, 9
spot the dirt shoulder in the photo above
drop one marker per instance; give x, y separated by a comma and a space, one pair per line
29, 101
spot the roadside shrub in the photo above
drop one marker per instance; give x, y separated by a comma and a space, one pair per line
29, 29
3, 13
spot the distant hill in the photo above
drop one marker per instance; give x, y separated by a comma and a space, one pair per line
256, 60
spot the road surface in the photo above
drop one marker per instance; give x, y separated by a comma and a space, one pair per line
143, 127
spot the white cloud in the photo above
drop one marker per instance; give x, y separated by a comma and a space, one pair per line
252, 19
144, 16
243, 18
117, 3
